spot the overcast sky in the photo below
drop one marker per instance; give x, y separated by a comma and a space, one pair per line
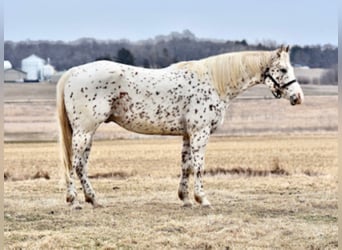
303, 22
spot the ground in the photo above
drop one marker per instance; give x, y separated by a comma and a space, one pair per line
266, 193
275, 187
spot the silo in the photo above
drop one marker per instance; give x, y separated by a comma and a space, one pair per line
33, 66
7, 65
48, 71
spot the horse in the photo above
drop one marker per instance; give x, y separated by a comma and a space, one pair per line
187, 99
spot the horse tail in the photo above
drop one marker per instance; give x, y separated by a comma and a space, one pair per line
65, 130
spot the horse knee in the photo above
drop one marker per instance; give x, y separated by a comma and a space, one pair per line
79, 170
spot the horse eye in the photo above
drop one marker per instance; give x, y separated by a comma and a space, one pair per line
283, 70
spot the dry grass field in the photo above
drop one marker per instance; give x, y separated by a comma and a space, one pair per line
271, 176
29, 114
267, 192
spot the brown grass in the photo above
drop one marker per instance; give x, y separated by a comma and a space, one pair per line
37, 175
292, 206
116, 174
246, 171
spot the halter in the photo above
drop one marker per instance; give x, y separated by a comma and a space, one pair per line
276, 85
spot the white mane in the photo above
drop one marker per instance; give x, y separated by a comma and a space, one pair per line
228, 70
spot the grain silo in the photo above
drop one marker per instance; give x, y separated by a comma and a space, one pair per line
33, 66
48, 71
7, 65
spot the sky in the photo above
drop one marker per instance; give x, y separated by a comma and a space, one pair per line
301, 22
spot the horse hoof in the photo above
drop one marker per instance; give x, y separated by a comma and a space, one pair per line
93, 201
187, 205
97, 205
75, 206
207, 206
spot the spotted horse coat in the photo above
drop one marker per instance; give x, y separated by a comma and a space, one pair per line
187, 99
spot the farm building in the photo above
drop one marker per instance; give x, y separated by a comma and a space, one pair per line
33, 66
37, 69
48, 71
14, 75
7, 65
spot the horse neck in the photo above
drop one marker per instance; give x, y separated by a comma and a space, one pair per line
233, 73
243, 85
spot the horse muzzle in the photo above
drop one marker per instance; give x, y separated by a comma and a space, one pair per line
295, 99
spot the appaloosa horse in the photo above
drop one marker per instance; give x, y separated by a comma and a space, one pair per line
188, 99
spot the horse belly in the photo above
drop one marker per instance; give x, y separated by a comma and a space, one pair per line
148, 121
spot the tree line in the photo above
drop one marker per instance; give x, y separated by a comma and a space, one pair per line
155, 53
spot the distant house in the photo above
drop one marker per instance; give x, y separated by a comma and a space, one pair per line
14, 75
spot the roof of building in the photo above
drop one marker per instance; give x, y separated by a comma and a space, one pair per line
33, 57
14, 69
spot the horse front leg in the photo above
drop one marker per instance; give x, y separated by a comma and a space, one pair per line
183, 192
198, 142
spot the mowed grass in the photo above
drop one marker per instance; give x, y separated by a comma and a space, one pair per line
255, 207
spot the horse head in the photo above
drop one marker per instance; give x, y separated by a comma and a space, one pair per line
280, 78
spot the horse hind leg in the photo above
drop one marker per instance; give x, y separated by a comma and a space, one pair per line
183, 192
71, 196
81, 145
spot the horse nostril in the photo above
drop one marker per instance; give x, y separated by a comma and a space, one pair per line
299, 99
295, 99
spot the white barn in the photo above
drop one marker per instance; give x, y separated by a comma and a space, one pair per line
33, 66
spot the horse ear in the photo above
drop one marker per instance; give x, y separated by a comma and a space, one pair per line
287, 48
281, 49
